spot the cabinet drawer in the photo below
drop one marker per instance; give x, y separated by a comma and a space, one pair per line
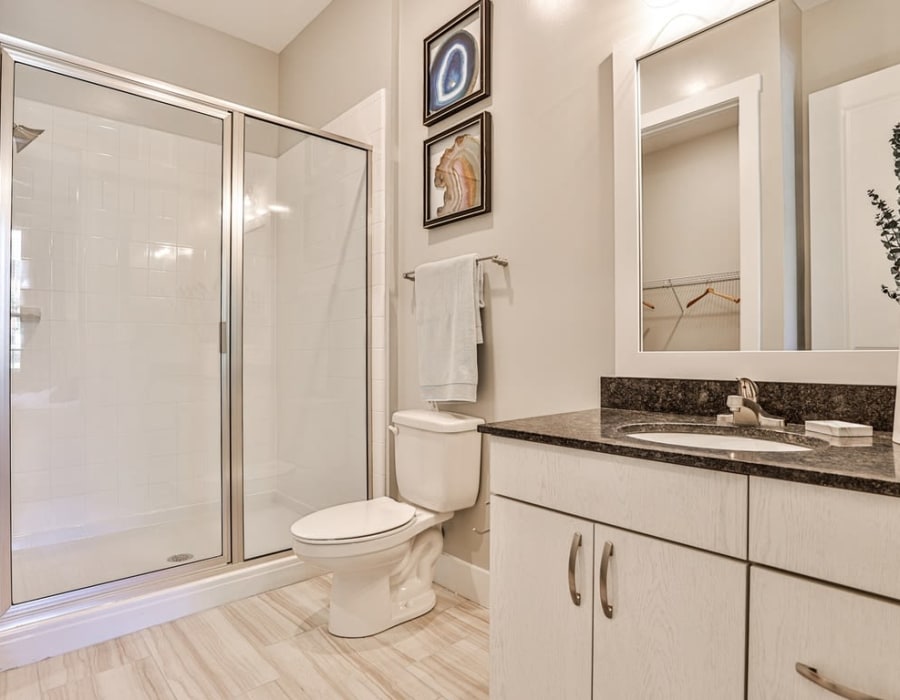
851, 639
836, 535
698, 507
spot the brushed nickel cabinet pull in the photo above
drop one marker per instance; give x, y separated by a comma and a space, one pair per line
573, 555
604, 572
812, 674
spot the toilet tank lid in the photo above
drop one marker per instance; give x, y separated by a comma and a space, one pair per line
436, 421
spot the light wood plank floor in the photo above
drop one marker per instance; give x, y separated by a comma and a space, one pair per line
273, 646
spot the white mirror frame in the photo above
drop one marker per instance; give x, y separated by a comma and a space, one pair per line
877, 367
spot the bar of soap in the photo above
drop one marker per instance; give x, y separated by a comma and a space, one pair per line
839, 428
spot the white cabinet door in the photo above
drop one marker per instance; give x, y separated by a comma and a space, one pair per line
678, 621
850, 639
540, 638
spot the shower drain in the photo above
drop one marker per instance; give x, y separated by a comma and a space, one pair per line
180, 557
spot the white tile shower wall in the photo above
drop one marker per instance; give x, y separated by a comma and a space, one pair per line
367, 122
115, 391
321, 313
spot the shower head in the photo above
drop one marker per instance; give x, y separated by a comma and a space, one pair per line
23, 135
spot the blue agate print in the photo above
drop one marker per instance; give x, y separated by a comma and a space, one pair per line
453, 70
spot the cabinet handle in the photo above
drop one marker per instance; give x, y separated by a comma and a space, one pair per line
573, 555
604, 571
812, 674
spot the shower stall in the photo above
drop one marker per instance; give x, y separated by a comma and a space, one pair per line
184, 337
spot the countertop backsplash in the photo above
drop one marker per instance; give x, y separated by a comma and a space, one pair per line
795, 402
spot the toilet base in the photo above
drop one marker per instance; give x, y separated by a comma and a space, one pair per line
364, 603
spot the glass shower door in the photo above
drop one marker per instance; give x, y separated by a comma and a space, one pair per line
115, 365
305, 410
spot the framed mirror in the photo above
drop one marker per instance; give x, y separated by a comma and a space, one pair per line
744, 154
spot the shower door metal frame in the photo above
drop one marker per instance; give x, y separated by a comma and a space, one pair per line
14, 51
7, 95
236, 339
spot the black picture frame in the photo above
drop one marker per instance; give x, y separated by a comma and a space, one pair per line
457, 173
449, 62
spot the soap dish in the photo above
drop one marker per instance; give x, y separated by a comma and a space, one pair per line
838, 428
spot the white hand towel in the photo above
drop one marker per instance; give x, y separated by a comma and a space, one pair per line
448, 326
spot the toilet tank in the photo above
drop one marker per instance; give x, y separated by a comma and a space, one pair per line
437, 458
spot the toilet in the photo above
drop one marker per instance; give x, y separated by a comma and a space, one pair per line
383, 552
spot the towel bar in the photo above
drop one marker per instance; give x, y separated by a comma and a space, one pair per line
502, 262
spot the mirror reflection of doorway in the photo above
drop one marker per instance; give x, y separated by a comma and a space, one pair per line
690, 233
850, 128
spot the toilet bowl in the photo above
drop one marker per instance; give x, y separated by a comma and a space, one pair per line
383, 552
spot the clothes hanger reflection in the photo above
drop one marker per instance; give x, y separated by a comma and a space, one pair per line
711, 290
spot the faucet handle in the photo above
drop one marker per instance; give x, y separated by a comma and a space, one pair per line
748, 388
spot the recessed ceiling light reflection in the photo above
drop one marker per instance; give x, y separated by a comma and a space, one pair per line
552, 9
695, 87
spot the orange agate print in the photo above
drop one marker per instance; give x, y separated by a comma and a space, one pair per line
459, 175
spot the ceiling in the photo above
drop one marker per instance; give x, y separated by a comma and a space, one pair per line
271, 24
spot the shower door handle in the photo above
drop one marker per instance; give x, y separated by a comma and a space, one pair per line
223, 337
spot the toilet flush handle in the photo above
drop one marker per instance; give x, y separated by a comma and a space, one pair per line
394, 429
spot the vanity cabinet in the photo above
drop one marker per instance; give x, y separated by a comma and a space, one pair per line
582, 607
721, 585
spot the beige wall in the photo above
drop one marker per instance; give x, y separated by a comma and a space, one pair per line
865, 32
136, 37
549, 316
344, 55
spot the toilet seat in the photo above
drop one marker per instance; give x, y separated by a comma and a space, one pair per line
359, 521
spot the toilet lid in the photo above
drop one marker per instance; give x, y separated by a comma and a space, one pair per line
354, 520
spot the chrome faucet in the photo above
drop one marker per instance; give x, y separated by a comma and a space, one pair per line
746, 411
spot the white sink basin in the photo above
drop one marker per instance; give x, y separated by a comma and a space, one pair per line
717, 441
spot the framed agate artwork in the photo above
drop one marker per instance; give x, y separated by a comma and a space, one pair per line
458, 172
458, 62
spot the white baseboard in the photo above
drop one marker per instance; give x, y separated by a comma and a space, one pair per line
461, 577
28, 643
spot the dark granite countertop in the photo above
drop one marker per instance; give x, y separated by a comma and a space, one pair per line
857, 464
